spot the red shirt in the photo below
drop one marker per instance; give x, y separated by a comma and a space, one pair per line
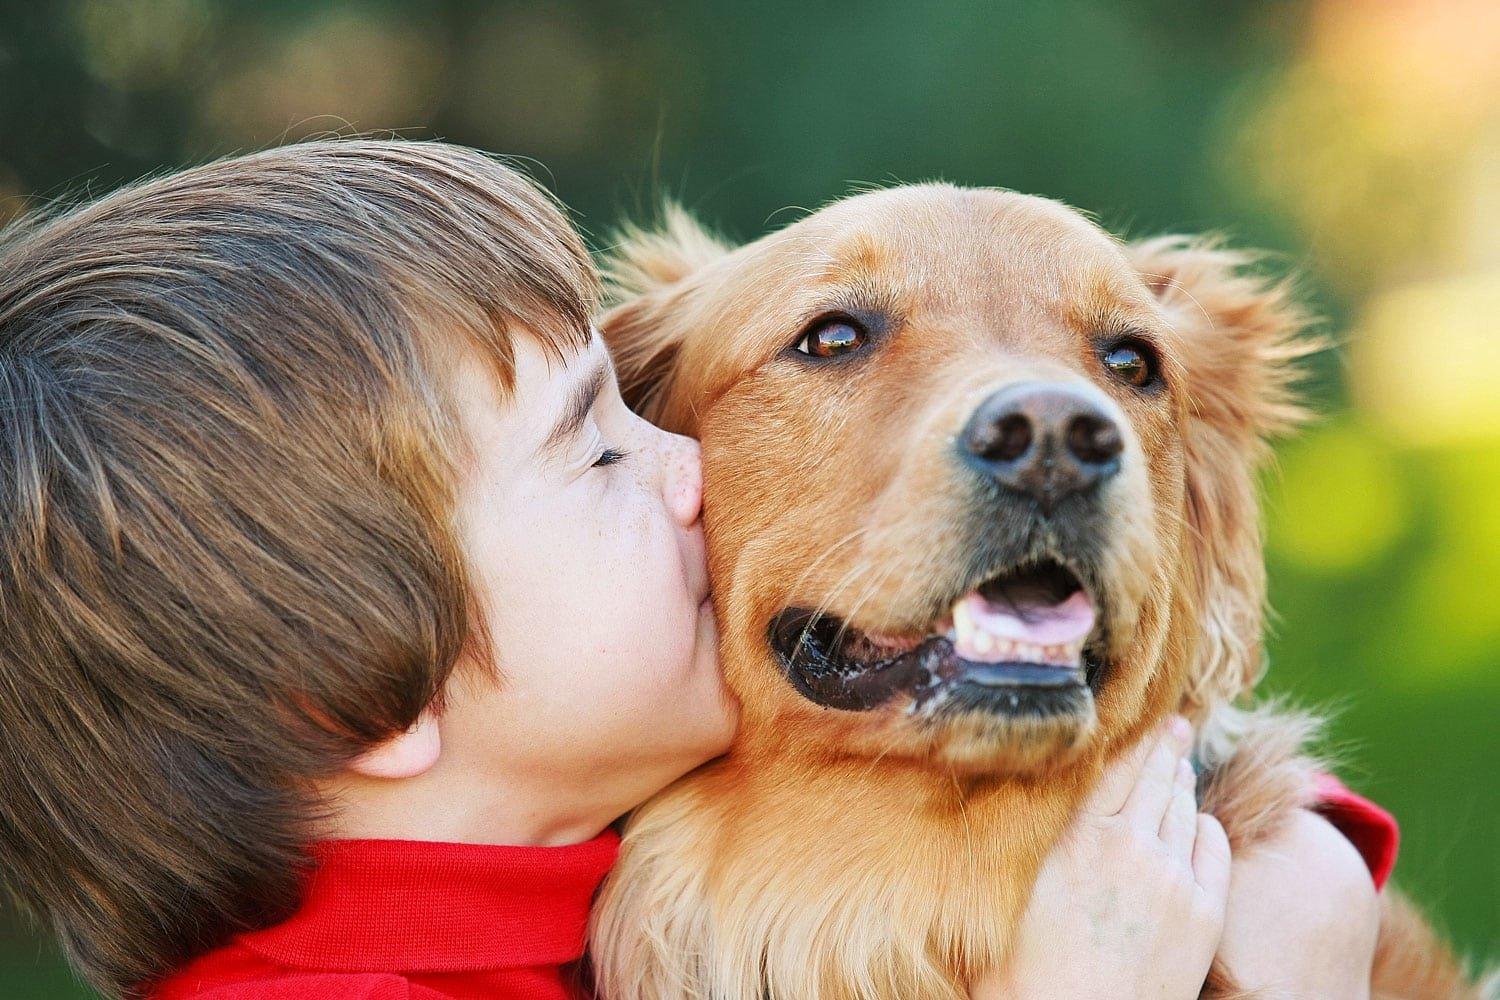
413, 920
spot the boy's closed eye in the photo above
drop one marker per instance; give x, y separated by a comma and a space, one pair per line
609, 456
578, 408
579, 413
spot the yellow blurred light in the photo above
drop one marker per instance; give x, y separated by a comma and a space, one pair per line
1435, 64
1479, 236
1366, 193
1338, 504
1369, 140
1425, 361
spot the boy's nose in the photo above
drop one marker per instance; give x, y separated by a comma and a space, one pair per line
682, 479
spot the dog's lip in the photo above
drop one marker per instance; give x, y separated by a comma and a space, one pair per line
1015, 675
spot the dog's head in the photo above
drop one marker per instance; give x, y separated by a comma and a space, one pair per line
980, 477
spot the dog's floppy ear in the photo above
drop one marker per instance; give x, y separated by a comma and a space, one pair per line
1239, 337
645, 274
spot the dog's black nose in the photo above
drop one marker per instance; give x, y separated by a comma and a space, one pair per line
1046, 441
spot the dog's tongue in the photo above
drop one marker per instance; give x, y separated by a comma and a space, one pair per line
1025, 615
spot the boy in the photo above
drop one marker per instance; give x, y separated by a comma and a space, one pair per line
331, 559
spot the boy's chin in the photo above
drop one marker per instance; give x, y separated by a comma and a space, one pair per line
714, 742
709, 715
672, 746
718, 716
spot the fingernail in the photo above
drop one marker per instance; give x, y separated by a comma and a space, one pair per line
1182, 732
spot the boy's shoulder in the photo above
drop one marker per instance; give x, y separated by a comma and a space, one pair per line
416, 920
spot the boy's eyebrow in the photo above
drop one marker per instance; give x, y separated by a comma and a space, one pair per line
580, 402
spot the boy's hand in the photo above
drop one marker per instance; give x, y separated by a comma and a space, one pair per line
1131, 901
1303, 915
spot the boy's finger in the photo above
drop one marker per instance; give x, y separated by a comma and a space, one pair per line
1120, 776
1211, 860
1179, 827
1152, 793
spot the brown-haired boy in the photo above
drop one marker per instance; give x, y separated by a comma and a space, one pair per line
331, 562
246, 539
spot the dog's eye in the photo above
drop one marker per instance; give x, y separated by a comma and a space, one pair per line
1132, 362
832, 338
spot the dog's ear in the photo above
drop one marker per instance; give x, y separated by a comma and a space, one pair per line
645, 274
1238, 337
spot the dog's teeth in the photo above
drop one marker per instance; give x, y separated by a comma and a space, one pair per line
963, 619
972, 640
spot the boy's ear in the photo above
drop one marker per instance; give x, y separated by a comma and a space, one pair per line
405, 755
1238, 338
645, 274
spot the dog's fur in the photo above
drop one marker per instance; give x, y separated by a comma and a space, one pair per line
869, 854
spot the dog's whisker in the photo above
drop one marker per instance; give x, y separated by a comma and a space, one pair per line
849, 577
827, 553
877, 582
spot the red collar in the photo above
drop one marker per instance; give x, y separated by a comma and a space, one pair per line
414, 906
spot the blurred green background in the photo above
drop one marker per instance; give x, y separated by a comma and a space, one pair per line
1360, 140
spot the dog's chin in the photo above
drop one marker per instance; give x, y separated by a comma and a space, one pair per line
1049, 733
1005, 682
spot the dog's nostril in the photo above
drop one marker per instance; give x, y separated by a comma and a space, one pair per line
1094, 439
1015, 438
999, 440
1005, 440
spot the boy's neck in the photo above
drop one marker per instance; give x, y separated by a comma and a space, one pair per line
457, 805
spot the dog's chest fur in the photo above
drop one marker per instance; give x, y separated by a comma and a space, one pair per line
839, 881
830, 882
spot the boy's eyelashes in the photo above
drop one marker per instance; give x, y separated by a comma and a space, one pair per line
609, 456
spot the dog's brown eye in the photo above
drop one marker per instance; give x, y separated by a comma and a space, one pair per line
832, 338
1132, 363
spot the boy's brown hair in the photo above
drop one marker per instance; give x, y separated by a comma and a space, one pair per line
228, 562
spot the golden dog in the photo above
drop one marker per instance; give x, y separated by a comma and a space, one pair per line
981, 510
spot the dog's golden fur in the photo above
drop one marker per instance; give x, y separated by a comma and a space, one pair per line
841, 854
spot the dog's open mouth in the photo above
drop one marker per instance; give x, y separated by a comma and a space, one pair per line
1021, 641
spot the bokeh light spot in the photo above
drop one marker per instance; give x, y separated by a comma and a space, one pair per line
1338, 503
1425, 358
